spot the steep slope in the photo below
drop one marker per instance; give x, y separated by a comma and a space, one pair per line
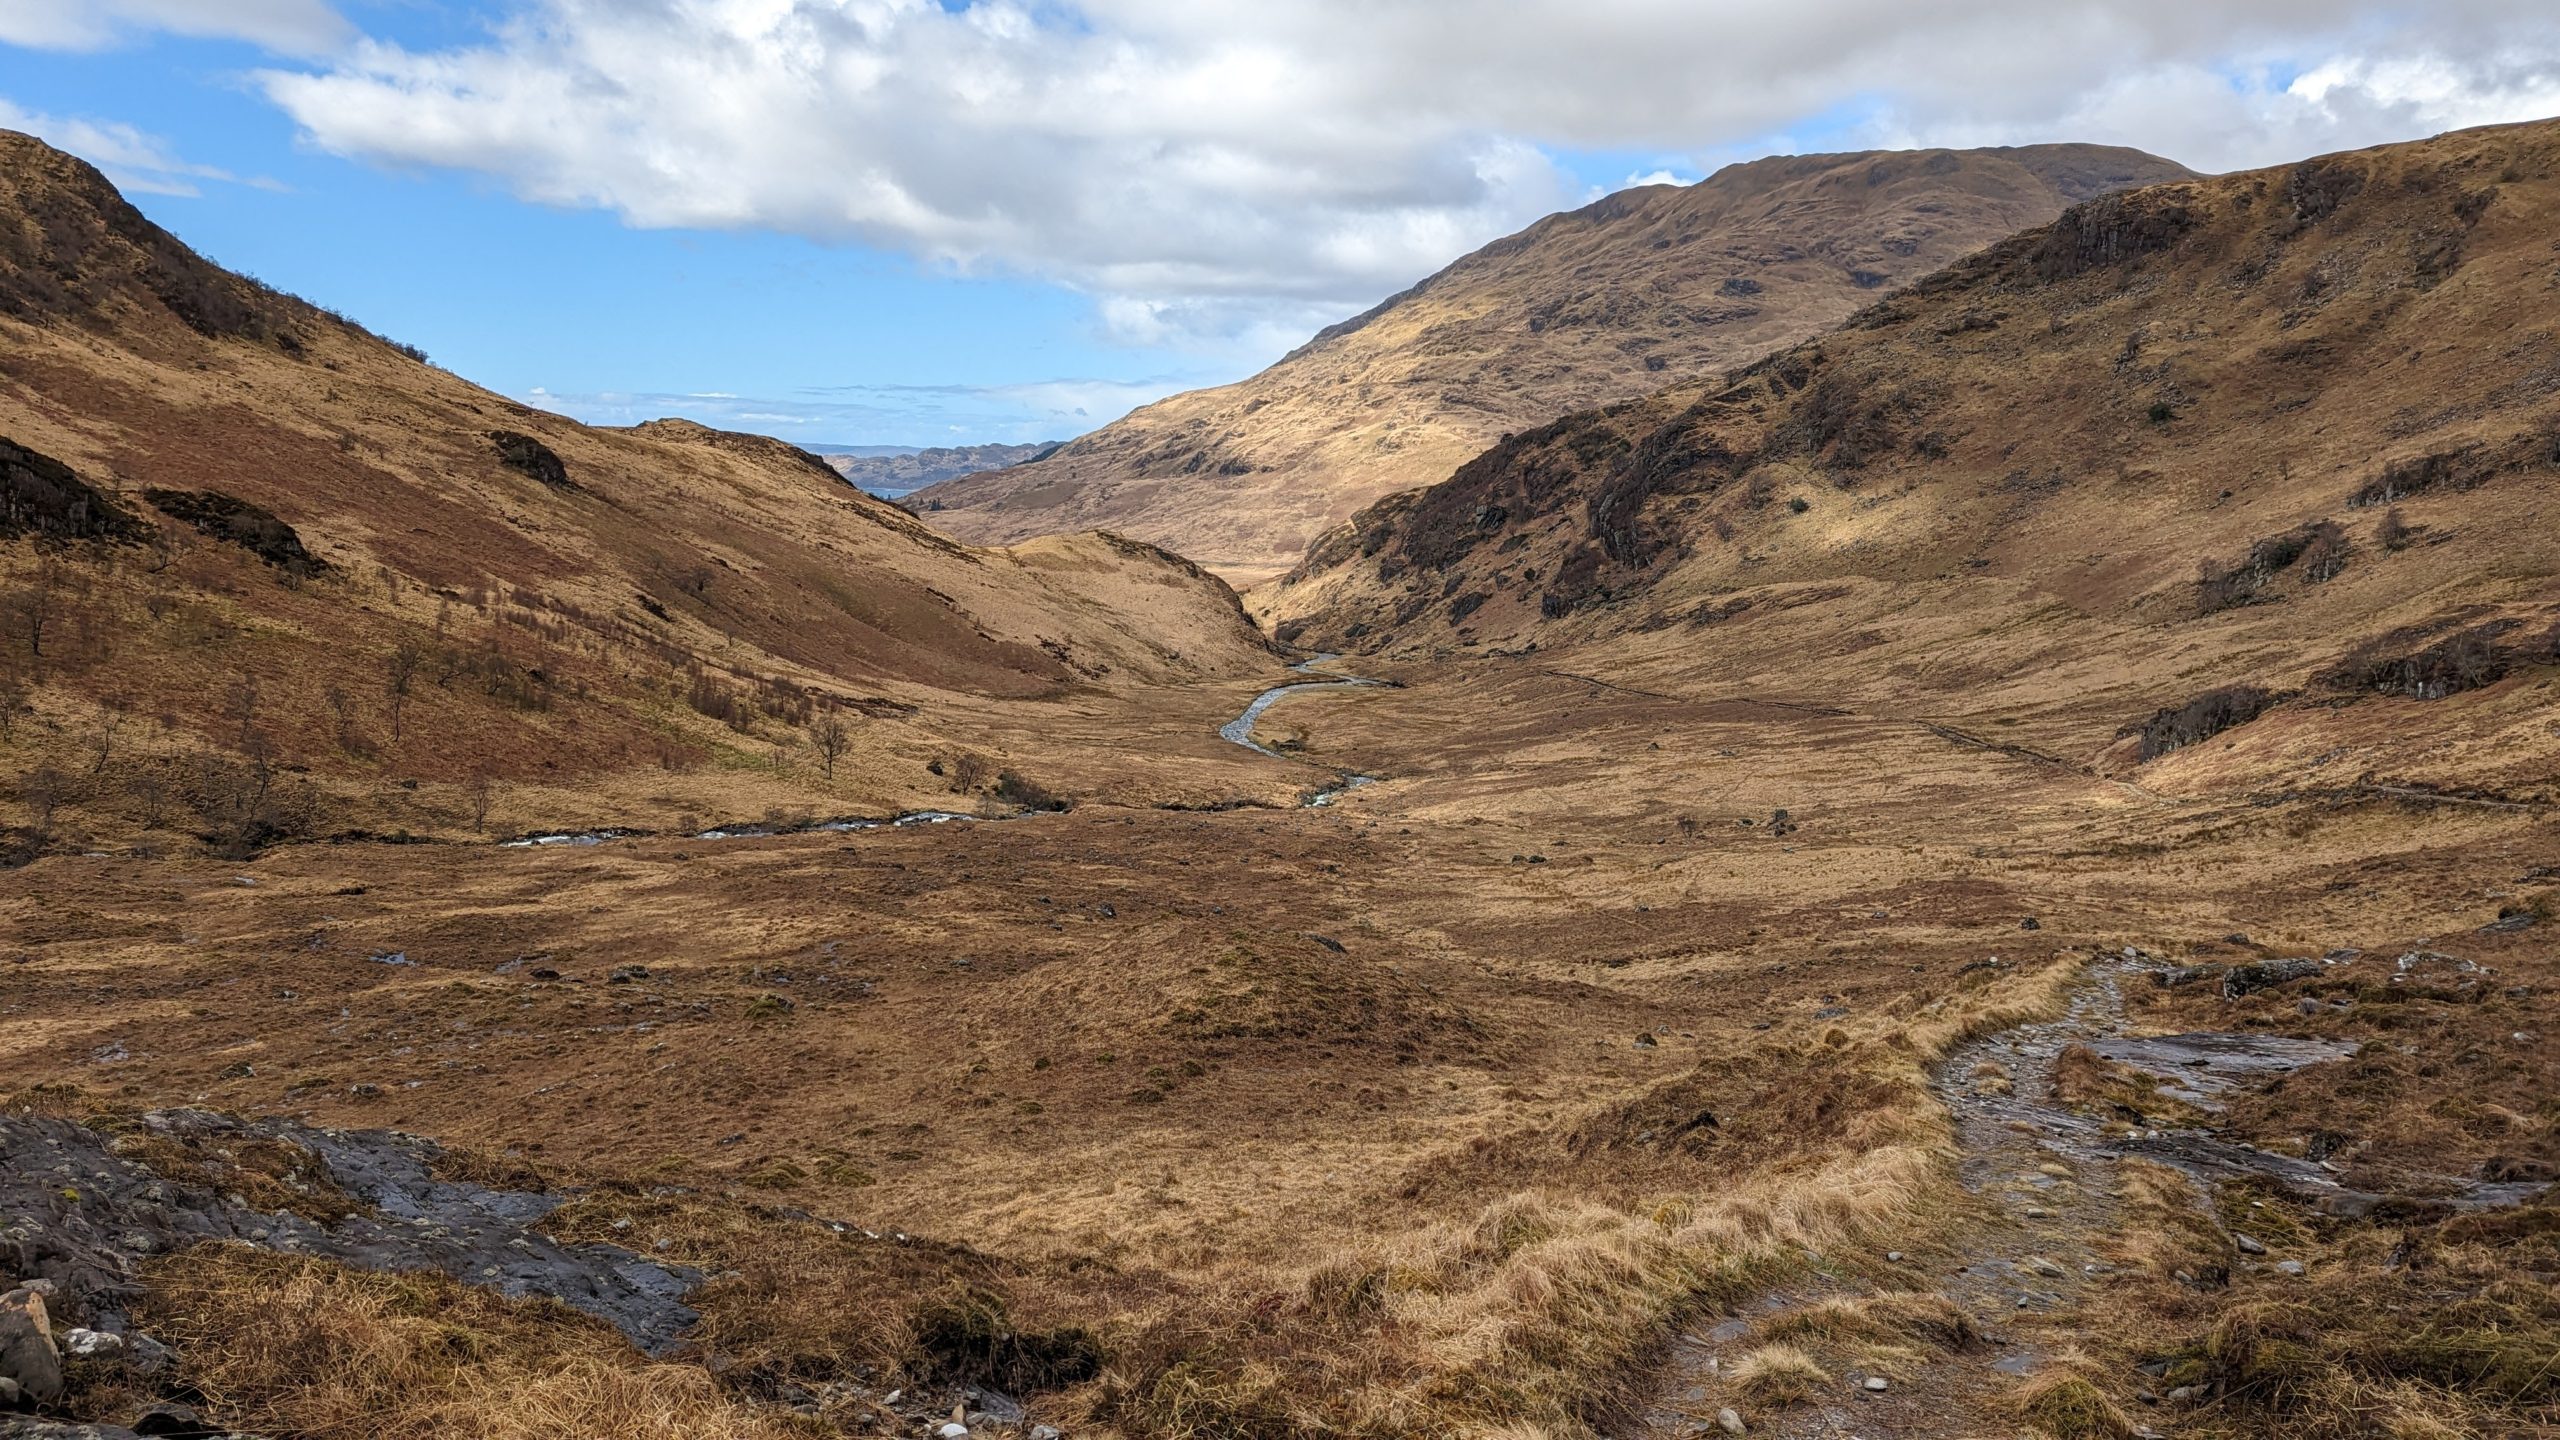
279, 534
1600, 304
896, 475
2297, 429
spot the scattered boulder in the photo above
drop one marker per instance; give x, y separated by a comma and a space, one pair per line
2187, 975
2249, 979
28, 1355
528, 456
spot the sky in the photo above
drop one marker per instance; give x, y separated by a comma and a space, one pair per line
923, 222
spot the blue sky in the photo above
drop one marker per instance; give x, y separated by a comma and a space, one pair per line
848, 343
894, 222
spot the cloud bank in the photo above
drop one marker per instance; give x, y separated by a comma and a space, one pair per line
1228, 168
289, 27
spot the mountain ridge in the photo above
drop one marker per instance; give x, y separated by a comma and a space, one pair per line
1601, 303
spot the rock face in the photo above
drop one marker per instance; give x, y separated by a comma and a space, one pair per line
82, 1215
2068, 413
1644, 288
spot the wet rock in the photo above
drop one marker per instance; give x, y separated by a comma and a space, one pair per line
2243, 980
88, 1237
28, 1355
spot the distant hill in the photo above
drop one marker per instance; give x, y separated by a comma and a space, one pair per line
1606, 303
895, 470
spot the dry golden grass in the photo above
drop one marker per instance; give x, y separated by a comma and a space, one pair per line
2065, 1406
1779, 1375
303, 1347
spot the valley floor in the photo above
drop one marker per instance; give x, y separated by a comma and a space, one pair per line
1634, 1052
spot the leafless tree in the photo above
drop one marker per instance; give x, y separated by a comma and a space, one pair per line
480, 792
399, 673
102, 735
31, 610
43, 791
834, 737
240, 705
151, 793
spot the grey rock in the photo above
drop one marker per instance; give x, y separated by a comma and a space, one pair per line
2186, 975
27, 1352
1877, 1384
2243, 980
2248, 1245
2290, 1267
410, 1219
1729, 1422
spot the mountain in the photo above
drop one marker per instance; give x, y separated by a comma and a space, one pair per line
293, 546
891, 473
2295, 431
1605, 303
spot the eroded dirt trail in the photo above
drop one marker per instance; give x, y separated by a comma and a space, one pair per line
2030, 1261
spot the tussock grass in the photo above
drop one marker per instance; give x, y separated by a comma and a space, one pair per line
1778, 1375
2065, 1406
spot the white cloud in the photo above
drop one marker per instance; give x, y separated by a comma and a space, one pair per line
134, 159
291, 27
1215, 167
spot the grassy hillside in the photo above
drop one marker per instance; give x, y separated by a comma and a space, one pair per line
1601, 304
266, 574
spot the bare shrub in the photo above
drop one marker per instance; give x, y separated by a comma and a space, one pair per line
2201, 719
2468, 660
1016, 789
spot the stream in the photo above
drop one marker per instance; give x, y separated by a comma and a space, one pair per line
1238, 731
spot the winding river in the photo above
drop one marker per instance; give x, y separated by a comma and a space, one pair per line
1238, 731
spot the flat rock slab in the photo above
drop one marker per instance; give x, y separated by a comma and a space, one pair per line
83, 1216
